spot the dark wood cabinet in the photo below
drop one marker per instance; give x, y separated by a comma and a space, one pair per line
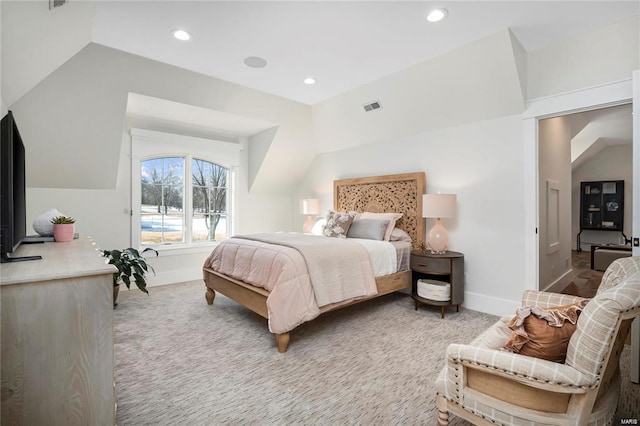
601, 206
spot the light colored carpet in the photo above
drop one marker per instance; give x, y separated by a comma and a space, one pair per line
180, 361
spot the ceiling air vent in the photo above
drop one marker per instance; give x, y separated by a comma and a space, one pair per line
56, 3
371, 106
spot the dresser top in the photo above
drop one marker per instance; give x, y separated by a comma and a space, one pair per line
59, 260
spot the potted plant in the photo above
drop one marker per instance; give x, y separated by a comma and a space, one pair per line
63, 228
130, 264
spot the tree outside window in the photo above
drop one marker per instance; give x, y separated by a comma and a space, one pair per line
209, 200
162, 212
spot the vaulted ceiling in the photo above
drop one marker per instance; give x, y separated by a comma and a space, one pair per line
468, 66
343, 44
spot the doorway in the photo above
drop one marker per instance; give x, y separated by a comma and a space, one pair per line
598, 97
589, 151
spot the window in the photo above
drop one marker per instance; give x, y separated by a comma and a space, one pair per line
162, 201
209, 201
182, 190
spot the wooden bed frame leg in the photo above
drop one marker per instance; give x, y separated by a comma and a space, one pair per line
209, 295
282, 340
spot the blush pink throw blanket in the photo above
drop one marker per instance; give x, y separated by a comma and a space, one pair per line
301, 272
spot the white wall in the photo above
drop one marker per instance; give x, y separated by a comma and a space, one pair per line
478, 162
608, 54
475, 82
612, 163
554, 164
36, 40
79, 111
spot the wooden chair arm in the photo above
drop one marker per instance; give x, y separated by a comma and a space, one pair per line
523, 369
533, 383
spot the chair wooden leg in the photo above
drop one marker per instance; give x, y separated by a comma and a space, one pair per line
443, 418
443, 413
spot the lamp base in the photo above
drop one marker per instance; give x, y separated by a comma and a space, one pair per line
438, 238
308, 224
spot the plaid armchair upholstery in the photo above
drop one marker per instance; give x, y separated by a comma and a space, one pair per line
485, 385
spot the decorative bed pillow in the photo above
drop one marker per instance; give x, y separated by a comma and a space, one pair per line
391, 217
370, 229
399, 235
543, 332
337, 224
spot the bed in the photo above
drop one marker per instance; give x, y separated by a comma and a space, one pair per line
400, 193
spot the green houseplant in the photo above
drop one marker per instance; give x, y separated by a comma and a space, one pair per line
63, 228
131, 265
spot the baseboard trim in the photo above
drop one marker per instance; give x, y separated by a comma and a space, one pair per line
560, 283
173, 277
489, 304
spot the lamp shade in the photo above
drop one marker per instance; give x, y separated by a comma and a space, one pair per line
438, 205
310, 206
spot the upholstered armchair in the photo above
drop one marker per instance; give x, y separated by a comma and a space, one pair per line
487, 385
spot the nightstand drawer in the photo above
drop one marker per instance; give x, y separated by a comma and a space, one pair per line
430, 265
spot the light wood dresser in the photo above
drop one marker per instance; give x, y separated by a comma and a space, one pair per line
57, 336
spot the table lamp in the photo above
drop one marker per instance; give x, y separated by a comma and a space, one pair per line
438, 206
310, 207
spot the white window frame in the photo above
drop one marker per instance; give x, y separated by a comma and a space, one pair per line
148, 144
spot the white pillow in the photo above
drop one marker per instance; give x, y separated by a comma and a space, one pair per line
391, 217
399, 235
318, 227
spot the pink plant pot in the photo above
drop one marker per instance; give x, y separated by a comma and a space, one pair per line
63, 232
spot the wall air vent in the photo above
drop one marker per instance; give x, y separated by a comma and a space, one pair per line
371, 106
56, 3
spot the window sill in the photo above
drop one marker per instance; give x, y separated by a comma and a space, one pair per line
180, 249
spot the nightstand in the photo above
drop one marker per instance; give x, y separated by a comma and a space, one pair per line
448, 268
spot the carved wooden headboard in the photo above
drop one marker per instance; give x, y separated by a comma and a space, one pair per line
400, 193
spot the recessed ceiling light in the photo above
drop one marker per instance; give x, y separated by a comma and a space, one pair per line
437, 15
255, 62
309, 80
181, 35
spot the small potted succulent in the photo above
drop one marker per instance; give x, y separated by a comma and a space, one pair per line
130, 264
63, 228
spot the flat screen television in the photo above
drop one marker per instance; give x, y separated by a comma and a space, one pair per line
13, 209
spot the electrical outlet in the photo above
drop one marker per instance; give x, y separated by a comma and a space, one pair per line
636, 242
